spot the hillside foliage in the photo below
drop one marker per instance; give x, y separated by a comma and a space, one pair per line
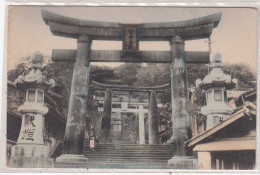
131, 74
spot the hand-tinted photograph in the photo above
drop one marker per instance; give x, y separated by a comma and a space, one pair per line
131, 88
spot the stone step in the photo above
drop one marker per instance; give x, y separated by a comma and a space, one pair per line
127, 157
125, 162
133, 148
100, 165
149, 159
127, 144
122, 148
127, 153
129, 160
135, 164
101, 157
128, 150
122, 163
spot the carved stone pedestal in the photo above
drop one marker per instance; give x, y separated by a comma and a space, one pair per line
30, 156
31, 162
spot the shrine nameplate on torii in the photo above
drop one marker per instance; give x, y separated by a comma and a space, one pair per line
130, 35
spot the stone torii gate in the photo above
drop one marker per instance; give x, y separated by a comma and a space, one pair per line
86, 31
153, 110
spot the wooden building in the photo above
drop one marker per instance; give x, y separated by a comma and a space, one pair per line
230, 144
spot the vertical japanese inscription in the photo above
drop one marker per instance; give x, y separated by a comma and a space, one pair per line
29, 127
130, 39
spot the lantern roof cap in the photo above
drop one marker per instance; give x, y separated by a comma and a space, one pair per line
216, 77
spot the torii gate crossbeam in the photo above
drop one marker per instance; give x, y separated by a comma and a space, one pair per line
101, 86
189, 29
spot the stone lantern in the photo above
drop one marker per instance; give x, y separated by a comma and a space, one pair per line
216, 84
30, 151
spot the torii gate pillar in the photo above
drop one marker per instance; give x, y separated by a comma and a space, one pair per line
153, 120
180, 106
106, 118
76, 119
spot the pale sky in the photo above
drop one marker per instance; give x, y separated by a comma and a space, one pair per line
235, 38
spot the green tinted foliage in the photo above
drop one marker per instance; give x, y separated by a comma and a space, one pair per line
195, 71
101, 74
127, 73
242, 72
134, 74
153, 75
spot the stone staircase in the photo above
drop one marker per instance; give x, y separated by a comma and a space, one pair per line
128, 156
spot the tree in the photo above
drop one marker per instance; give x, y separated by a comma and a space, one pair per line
20, 69
242, 72
132, 74
127, 73
153, 75
101, 74
195, 71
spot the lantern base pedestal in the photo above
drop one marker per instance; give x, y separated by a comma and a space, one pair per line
71, 161
31, 162
183, 162
30, 156
28, 150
